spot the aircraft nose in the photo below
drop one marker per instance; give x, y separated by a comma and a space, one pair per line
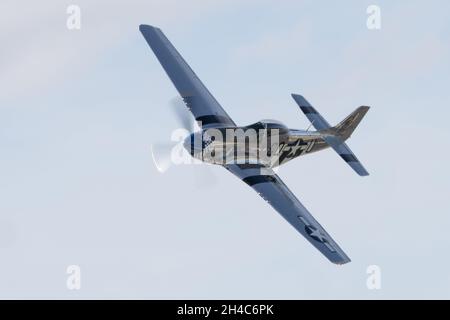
193, 143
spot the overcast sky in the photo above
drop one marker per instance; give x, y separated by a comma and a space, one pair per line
79, 110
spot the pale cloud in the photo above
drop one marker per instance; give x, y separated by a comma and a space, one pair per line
38, 50
276, 45
403, 48
79, 186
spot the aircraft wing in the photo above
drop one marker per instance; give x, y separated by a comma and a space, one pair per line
272, 189
196, 96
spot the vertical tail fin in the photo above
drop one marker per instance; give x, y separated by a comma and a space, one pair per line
346, 127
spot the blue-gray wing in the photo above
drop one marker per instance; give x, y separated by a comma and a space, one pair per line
196, 96
272, 189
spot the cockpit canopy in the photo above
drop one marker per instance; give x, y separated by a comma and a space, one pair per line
269, 124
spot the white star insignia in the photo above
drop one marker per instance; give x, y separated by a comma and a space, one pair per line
316, 233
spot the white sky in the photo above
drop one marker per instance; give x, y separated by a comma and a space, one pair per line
80, 109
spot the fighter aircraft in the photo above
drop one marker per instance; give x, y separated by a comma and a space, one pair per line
277, 143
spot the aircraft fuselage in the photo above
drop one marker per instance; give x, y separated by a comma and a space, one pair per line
268, 143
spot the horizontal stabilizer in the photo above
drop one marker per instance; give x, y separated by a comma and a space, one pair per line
346, 154
316, 119
335, 136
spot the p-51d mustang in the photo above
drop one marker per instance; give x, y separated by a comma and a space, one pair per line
258, 173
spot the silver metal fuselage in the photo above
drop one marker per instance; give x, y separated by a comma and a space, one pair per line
268, 143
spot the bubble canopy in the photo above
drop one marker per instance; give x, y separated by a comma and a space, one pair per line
268, 124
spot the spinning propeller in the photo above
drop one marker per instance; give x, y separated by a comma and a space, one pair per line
162, 153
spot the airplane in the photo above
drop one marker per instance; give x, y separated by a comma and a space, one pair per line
258, 172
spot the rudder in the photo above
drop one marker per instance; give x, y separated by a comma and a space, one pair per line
346, 127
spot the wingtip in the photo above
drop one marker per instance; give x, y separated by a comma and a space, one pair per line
341, 262
146, 27
362, 172
300, 100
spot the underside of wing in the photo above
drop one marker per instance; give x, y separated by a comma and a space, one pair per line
205, 108
272, 189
